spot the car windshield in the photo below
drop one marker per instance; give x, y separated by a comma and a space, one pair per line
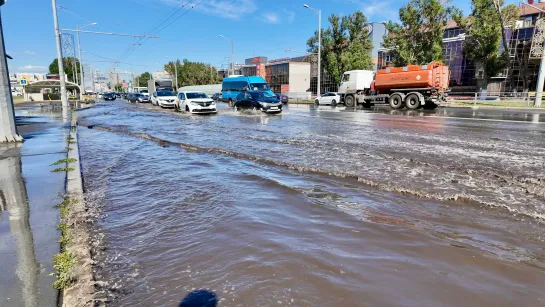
196, 95
144, 91
262, 95
259, 87
166, 93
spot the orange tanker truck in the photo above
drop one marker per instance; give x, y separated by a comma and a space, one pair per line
412, 86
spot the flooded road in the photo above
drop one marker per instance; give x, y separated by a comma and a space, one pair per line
318, 206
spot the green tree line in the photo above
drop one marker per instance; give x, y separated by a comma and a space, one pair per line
417, 37
192, 73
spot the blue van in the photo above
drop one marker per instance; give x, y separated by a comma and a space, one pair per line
232, 86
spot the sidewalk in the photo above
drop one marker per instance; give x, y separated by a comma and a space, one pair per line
28, 219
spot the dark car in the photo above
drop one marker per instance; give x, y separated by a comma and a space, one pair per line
258, 100
132, 97
283, 98
118, 95
109, 96
216, 96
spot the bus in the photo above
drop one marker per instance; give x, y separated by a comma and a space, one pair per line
232, 86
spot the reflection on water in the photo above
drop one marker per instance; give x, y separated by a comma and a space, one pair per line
14, 200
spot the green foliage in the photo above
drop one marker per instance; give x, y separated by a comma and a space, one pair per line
193, 73
64, 161
142, 80
484, 36
118, 87
70, 63
418, 38
345, 45
63, 264
62, 169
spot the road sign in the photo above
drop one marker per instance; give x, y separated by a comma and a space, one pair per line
22, 81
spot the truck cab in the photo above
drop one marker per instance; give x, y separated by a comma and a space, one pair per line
355, 81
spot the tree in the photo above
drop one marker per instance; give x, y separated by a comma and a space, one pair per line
143, 79
418, 39
70, 63
118, 87
345, 45
484, 36
192, 73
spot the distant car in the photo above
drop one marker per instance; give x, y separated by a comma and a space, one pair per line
195, 102
216, 96
142, 98
16, 94
109, 96
258, 100
100, 96
132, 97
328, 99
118, 95
144, 92
164, 99
283, 98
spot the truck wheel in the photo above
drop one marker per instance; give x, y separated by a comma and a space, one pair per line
412, 101
430, 106
396, 102
349, 101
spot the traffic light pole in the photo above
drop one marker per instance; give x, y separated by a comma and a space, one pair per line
8, 129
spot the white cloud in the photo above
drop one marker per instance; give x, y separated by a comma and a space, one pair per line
31, 67
30, 52
383, 9
271, 18
231, 9
289, 15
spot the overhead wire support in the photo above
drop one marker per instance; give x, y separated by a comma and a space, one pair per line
111, 33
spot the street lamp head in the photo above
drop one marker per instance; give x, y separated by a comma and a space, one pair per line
222, 36
306, 6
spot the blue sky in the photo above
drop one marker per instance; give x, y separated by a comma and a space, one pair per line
258, 27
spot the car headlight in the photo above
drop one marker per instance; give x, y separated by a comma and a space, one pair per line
264, 104
193, 103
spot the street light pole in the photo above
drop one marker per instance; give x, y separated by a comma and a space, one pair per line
541, 75
64, 97
82, 84
232, 54
8, 128
319, 13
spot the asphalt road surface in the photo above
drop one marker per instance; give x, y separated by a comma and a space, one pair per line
318, 206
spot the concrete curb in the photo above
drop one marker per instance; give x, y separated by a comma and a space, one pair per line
80, 293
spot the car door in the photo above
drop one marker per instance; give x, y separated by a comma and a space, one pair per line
182, 101
239, 99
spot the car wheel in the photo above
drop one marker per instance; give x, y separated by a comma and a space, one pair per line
231, 104
187, 109
317, 102
333, 102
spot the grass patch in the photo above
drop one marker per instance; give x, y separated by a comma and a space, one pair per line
63, 161
63, 264
63, 169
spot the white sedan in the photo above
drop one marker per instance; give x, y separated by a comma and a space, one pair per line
164, 99
328, 99
195, 102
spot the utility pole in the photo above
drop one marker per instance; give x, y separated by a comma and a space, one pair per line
8, 129
64, 97
319, 13
176, 74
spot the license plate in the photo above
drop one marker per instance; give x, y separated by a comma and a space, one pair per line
274, 108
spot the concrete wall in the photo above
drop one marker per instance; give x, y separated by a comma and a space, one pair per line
299, 78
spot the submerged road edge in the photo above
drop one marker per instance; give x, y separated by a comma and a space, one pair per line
81, 291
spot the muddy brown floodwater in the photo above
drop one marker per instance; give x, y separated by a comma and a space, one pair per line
318, 206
